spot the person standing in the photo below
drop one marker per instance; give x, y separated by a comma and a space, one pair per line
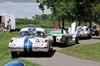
9, 25
0, 27
57, 26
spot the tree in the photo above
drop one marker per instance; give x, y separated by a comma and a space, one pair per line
71, 9
96, 11
60, 8
84, 9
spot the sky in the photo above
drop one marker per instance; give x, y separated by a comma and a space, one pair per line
21, 8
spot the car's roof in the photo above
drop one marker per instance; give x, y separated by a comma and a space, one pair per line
84, 27
32, 29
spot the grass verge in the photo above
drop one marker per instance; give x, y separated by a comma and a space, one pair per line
4, 51
89, 52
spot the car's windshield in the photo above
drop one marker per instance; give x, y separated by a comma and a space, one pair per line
24, 33
32, 34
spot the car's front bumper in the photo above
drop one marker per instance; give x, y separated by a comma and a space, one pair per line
16, 49
83, 35
34, 49
44, 49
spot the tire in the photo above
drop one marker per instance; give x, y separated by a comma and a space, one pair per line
50, 48
50, 45
97, 33
54, 40
89, 36
77, 40
14, 54
66, 41
49, 52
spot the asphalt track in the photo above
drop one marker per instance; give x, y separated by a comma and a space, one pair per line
59, 59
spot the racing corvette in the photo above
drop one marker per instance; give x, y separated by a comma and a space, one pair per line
30, 40
84, 32
68, 36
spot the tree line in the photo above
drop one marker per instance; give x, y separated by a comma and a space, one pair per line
73, 10
43, 20
65, 11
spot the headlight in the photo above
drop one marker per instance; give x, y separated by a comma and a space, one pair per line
11, 45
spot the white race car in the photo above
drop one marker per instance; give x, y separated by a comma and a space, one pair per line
83, 31
68, 37
30, 40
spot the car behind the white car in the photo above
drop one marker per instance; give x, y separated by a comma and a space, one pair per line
83, 31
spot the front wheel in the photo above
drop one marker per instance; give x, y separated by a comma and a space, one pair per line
49, 53
50, 45
97, 33
89, 36
66, 41
14, 54
77, 40
50, 48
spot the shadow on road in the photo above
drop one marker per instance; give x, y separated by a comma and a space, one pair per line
37, 54
61, 45
83, 38
96, 37
93, 37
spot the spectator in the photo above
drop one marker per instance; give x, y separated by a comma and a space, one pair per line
2, 26
58, 26
94, 27
9, 25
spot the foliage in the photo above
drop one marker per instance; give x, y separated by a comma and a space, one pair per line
44, 17
96, 11
24, 21
44, 21
60, 7
83, 9
79, 10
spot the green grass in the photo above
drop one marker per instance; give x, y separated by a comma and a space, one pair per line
42, 24
89, 52
4, 51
